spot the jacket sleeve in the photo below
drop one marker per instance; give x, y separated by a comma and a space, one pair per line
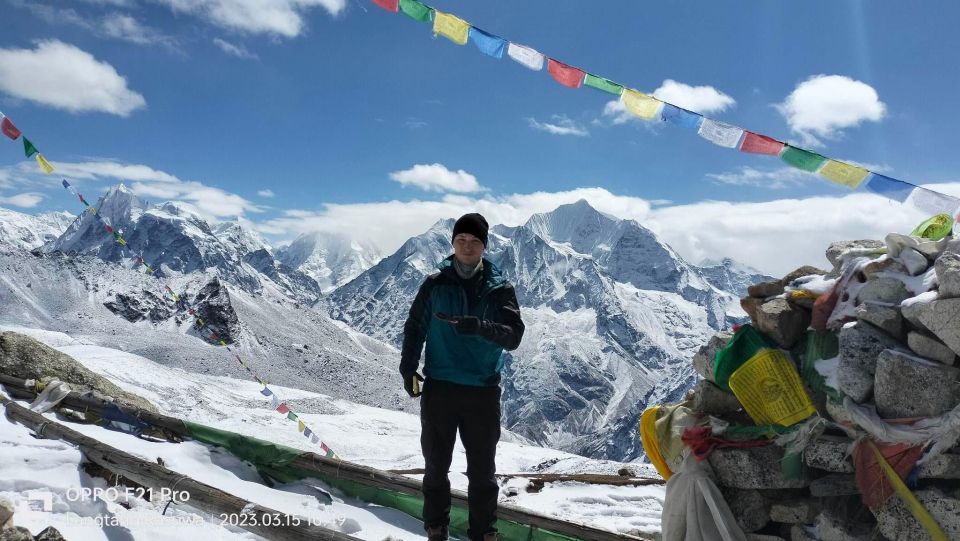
507, 331
415, 329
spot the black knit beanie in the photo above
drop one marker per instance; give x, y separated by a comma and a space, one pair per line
474, 224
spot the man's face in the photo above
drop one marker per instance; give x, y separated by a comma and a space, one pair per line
468, 249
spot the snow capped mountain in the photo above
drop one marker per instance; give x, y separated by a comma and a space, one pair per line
25, 231
173, 239
329, 258
240, 235
613, 315
729, 275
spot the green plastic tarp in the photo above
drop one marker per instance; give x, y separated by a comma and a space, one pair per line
273, 462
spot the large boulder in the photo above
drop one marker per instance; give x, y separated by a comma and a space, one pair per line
854, 247
895, 520
757, 467
805, 270
765, 289
942, 318
703, 360
908, 386
785, 323
25, 358
883, 316
947, 267
885, 290
860, 345
928, 347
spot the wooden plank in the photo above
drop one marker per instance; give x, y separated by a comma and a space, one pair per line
254, 518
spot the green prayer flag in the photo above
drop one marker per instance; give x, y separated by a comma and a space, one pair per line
28, 148
605, 85
417, 11
292, 416
802, 159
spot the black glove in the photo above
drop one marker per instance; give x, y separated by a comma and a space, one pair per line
408, 383
468, 325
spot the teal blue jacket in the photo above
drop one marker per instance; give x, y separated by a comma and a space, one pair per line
474, 360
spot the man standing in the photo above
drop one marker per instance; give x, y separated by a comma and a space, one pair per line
468, 314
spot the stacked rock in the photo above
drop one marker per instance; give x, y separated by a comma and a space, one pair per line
891, 310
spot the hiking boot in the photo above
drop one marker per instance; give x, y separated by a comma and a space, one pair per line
437, 533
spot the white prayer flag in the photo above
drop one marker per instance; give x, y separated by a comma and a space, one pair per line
526, 56
933, 202
720, 133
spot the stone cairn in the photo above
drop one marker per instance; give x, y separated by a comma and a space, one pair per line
894, 317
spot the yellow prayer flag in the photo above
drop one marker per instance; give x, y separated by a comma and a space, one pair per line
640, 104
44, 164
451, 27
301, 426
841, 173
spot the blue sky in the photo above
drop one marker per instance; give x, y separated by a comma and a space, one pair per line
329, 104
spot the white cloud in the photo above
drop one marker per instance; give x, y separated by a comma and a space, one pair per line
701, 99
824, 105
25, 200
437, 178
561, 125
774, 236
265, 193
616, 112
415, 123
276, 17
238, 51
62, 76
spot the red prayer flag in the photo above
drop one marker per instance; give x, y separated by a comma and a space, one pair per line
9, 129
282, 408
389, 5
875, 488
566, 75
760, 144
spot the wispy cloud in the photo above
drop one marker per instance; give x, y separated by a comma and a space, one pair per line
415, 123
24, 200
437, 178
284, 18
824, 105
231, 49
113, 25
560, 125
265, 193
774, 179
62, 76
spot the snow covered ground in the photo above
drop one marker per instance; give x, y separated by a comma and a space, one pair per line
386, 439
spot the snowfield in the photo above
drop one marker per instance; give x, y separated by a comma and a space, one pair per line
375, 437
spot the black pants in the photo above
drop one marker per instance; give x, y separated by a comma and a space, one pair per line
475, 411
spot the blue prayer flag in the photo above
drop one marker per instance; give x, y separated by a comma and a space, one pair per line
680, 117
488, 44
65, 183
266, 391
892, 188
